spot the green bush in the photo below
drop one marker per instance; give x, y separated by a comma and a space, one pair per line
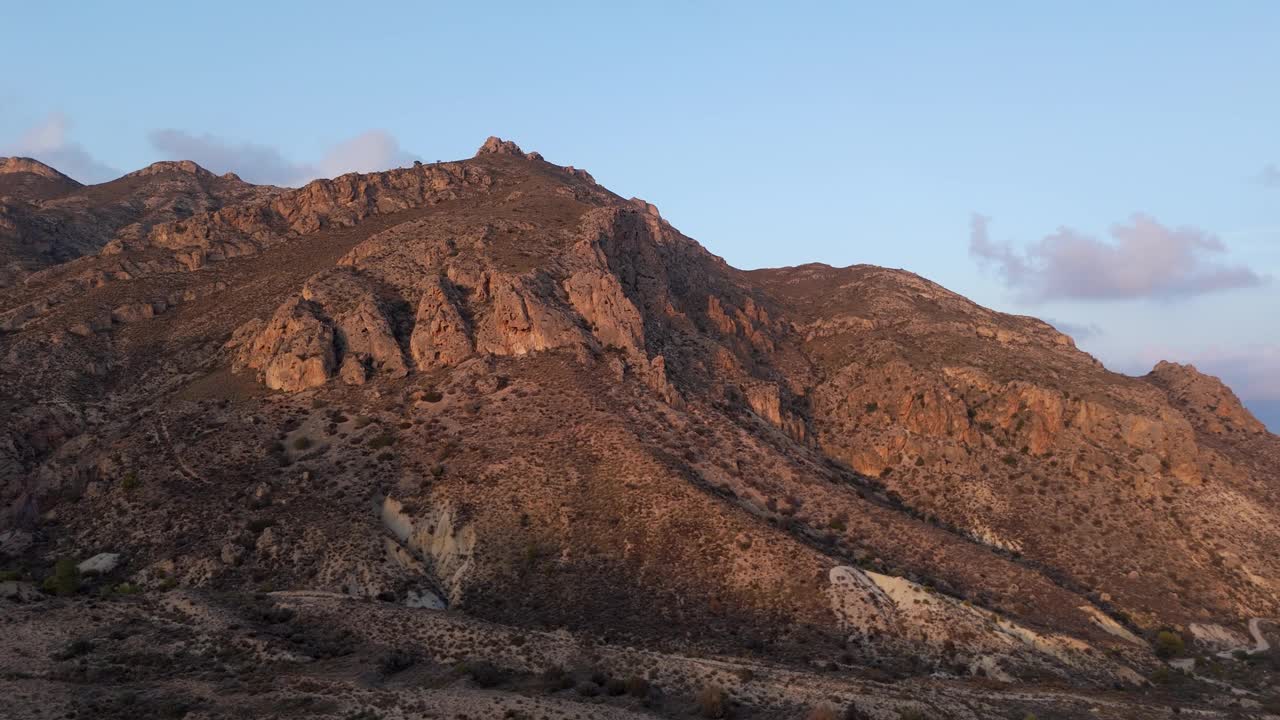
7, 575
1169, 644
130, 481
302, 443
65, 579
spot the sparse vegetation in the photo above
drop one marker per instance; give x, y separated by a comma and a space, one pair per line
1169, 644
556, 679
65, 579
302, 443
483, 673
382, 440
825, 711
587, 688
713, 702
637, 686
396, 661
130, 481
76, 648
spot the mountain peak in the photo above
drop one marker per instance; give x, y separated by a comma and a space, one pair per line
167, 166
495, 145
1205, 398
13, 165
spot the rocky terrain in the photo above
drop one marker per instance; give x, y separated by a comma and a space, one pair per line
483, 439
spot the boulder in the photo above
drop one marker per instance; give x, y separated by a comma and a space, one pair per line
99, 564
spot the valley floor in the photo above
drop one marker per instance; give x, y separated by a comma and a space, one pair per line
304, 654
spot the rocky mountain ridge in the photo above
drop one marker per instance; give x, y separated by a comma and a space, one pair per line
494, 386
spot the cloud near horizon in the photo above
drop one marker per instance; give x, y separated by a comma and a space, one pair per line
1145, 259
1078, 331
49, 142
369, 151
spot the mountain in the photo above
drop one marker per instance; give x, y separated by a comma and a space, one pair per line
46, 218
31, 180
316, 447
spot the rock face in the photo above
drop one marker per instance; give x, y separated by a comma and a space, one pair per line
441, 336
568, 414
497, 146
295, 350
1205, 400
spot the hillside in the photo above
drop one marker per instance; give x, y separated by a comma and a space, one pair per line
416, 414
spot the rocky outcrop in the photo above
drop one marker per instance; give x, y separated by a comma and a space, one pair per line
1210, 403
439, 538
185, 167
336, 327
598, 297
525, 316
362, 331
248, 228
765, 400
497, 146
295, 350
441, 335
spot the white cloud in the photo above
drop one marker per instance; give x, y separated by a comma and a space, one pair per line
48, 141
367, 152
1145, 259
253, 162
370, 151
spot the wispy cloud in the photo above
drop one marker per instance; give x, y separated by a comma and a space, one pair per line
49, 142
1143, 259
1078, 331
1270, 175
253, 162
369, 151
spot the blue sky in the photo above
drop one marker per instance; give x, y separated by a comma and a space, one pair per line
839, 132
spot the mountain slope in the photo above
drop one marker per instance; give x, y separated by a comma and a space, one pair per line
494, 386
47, 218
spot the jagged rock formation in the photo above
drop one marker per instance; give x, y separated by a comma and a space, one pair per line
565, 413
